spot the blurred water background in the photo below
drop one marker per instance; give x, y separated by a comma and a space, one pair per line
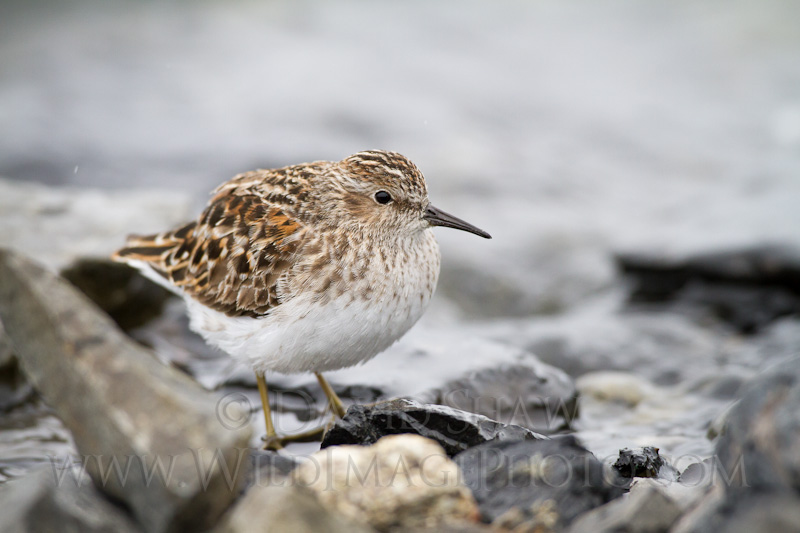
571, 131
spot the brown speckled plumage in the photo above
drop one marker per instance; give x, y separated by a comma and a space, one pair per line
262, 236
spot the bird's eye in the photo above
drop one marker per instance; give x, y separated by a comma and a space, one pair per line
383, 197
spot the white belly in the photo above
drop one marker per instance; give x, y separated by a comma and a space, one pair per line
302, 335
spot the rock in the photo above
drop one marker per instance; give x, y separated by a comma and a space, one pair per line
400, 481
127, 297
267, 468
648, 510
453, 429
534, 395
149, 433
615, 386
684, 495
645, 462
545, 482
760, 443
14, 388
278, 509
59, 226
744, 512
757, 460
747, 288
6, 351
49, 500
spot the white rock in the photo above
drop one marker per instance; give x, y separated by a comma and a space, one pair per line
401, 481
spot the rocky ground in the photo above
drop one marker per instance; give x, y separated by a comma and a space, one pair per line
668, 404
622, 356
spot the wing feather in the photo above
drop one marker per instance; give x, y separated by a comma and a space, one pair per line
233, 257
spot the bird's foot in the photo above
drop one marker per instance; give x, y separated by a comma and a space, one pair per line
277, 442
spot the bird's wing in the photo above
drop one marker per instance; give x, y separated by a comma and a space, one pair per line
233, 257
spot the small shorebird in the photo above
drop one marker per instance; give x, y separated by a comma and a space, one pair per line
307, 268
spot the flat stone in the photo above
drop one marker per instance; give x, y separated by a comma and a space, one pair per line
453, 429
283, 509
401, 481
124, 408
544, 482
49, 500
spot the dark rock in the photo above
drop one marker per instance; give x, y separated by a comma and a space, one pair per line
747, 288
49, 500
523, 476
640, 463
279, 509
14, 388
759, 446
453, 429
534, 395
119, 290
123, 407
642, 511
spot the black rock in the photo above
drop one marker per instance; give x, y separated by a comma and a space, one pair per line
453, 429
747, 288
526, 478
640, 463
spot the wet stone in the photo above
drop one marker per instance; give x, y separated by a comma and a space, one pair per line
453, 429
537, 482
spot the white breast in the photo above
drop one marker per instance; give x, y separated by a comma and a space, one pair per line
305, 335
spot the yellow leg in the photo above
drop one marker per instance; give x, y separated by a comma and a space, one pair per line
336, 404
271, 441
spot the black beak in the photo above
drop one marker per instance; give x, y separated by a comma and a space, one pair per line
437, 217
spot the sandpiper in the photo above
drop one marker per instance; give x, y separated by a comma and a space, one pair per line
306, 268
